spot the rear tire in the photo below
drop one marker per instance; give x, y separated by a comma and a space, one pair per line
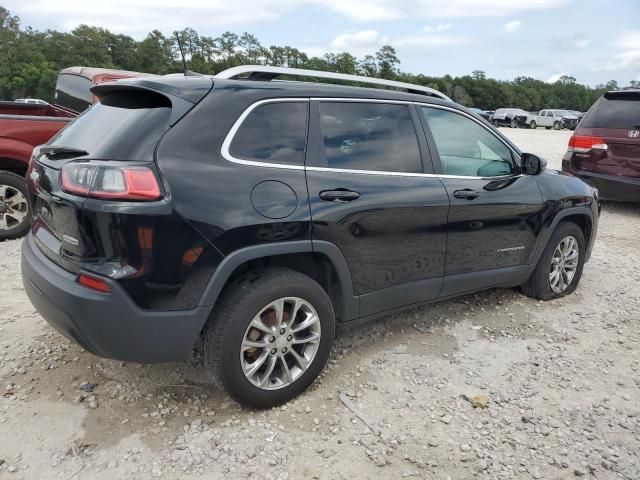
15, 214
254, 300
541, 283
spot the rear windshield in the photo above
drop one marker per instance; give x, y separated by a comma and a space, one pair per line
614, 113
72, 92
124, 125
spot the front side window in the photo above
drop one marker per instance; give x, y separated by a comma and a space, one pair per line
273, 133
369, 136
465, 147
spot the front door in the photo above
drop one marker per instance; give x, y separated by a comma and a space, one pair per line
494, 209
369, 197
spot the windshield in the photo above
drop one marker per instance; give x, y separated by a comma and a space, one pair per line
563, 113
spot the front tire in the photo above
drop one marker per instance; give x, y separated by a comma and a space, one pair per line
533, 125
15, 214
559, 269
557, 126
269, 337
514, 124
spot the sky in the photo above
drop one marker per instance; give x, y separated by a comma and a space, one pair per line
593, 41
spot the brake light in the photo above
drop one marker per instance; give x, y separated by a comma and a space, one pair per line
110, 182
94, 283
583, 143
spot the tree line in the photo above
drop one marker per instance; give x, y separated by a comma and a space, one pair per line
30, 61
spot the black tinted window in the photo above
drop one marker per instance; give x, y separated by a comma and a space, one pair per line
615, 113
466, 148
72, 91
273, 132
369, 136
122, 126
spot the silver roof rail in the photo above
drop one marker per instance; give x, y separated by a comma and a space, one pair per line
262, 72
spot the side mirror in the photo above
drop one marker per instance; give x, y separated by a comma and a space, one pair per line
532, 164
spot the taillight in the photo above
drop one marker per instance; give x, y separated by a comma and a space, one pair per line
110, 182
583, 143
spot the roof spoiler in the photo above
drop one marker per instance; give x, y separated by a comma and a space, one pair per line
183, 92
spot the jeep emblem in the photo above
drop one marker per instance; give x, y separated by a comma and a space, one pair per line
634, 133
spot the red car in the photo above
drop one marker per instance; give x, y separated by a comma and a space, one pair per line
605, 148
25, 125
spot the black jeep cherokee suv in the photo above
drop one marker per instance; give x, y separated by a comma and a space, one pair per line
258, 215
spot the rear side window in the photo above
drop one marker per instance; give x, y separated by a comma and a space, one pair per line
369, 136
125, 125
273, 133
623, 112
72, 91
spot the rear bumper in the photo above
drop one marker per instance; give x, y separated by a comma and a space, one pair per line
610, 187
107, 324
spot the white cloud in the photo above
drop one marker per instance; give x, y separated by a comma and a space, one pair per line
441, 27
367, 10
367, 41
365, 38
628, 41
576, 41
555, 78
512, 26
628, 58
427, 41
623, 61
141, 16
138, 17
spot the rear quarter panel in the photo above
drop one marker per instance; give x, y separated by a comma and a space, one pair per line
214, 194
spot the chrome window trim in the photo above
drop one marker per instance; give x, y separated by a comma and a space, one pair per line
256, 163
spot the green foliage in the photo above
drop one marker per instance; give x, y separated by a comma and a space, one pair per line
30, 61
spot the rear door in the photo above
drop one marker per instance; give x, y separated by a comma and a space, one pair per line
369, 196
615, 121
493, 207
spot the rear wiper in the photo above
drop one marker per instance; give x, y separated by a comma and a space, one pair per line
52, 151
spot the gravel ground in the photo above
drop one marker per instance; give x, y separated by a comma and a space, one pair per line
491, 385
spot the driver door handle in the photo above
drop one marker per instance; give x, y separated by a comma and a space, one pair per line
339, 195
466, 194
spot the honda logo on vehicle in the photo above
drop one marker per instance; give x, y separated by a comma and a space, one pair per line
634, 133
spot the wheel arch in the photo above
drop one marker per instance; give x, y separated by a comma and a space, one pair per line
13, 165
319, 260
581, 216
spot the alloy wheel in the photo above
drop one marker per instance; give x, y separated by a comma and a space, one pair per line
564, 264
14, 208
280, 343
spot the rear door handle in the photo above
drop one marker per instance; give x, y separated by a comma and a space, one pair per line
466, 194
339, 195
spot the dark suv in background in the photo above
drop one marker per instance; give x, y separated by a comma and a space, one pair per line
258, 215
605, 148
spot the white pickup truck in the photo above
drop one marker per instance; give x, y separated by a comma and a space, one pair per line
556, 119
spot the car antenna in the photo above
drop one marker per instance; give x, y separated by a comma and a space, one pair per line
187, 72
